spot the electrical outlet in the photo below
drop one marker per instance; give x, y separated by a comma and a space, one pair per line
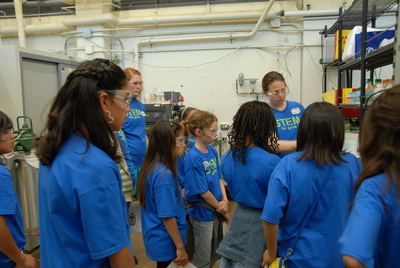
224, 126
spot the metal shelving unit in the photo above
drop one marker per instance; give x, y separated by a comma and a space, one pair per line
363, 12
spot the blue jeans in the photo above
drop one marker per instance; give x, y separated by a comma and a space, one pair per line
202, 234
228, 263
244, 242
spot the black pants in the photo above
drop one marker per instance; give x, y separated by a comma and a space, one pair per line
163, 264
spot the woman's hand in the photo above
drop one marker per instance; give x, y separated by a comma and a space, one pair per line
182, 258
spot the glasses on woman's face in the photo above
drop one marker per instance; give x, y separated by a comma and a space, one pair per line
7, 135
211, 131
122, 98
276, 94
136, 83
180, 141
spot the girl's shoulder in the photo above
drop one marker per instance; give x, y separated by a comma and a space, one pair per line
4, 171
351, 159
211, 150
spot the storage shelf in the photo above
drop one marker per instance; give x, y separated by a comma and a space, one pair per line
352, 16
377, 58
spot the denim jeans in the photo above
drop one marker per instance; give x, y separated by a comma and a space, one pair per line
228, 263
245, 242
202, 233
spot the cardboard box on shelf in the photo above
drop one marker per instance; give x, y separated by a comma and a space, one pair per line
331, 97
345, 33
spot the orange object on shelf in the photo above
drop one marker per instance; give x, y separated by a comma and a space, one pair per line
350, 112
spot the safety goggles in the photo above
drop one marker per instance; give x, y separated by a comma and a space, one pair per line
122, 98
9, 134
276, 94
180, 141
136, 83
211, 131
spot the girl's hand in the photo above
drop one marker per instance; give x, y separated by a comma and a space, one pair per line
223, 207
182, 258
227, 217
27, 262
267, 259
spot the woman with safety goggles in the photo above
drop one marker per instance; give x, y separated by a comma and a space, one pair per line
287, 113
81, 201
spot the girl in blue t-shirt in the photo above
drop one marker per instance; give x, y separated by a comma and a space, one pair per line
162, 207
203, 184
12, 238
371, 237
80, 188
183, 118
319, 179
246, 168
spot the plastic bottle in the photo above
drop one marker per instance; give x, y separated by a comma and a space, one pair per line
159, 96
146, 98
153, 95
369, 87
389, 84
378, 87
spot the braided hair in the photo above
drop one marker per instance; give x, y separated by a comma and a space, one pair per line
254, 123
76, 110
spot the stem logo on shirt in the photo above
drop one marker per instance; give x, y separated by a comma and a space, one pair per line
288, 123
135, 114
210, 167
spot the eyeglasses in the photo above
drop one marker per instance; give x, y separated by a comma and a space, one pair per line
122, 98
180, 141
275, 94
211, 131
136, 83
7, 135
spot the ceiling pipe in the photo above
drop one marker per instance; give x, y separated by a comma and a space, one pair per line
229, 36
75, 21
90, 20
36, 29
33, 4
310, 13
20, 22
195, 18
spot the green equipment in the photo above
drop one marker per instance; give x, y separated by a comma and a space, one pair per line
24, 141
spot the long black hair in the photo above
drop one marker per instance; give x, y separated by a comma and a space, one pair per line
380, 139
5, 124
321, 134
76, 109
161, 148
254, 123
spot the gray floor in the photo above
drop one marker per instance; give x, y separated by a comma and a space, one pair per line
138, 248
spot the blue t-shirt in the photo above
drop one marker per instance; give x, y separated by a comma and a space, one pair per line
135, 132
292, 190
287, 121
202, 174
163, 200
248, 184
181, 162
10, 209
82, 209
124, 148
372, 234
